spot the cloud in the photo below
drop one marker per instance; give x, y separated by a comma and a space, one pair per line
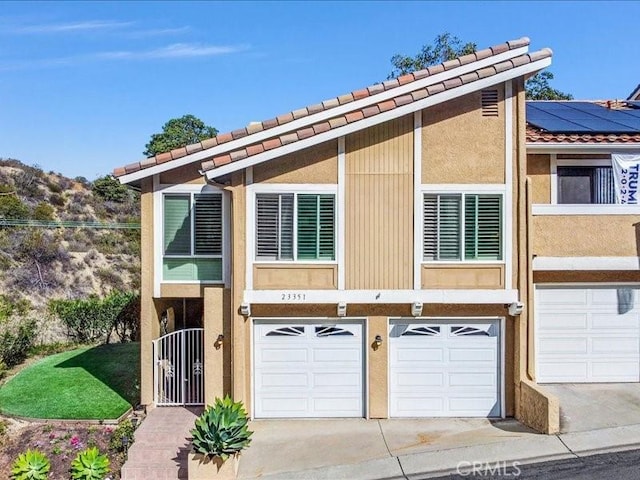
173, 51
157, 32
84, 26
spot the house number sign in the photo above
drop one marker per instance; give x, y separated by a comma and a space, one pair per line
293, 297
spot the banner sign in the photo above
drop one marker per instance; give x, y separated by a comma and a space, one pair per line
626, 176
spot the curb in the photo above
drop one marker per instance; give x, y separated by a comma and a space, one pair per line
89, 421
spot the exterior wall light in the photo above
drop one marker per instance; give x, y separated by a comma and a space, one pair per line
342, 309
378, 341
245, 309
416, 309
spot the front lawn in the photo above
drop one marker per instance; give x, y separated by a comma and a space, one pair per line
87, 383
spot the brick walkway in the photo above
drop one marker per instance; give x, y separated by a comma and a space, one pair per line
161, 445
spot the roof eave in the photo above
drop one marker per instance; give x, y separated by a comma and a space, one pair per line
380, 118
323, 115
546, 147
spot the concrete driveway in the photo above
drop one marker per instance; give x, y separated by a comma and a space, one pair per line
592, 406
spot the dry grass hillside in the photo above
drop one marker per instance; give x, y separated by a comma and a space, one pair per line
39, 264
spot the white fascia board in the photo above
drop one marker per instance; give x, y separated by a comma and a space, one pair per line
379, 118
380, 296
584, 209
581, 147
586, 263
325, 114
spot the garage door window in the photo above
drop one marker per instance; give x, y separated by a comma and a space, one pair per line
462, 227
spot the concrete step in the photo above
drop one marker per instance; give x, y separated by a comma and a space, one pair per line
145, 456
153, 473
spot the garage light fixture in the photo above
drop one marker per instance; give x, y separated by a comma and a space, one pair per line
416, 309
516, 308
245, 309
342, 309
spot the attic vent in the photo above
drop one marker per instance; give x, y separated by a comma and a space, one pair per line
489, 103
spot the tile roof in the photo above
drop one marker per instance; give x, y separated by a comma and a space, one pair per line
351, 116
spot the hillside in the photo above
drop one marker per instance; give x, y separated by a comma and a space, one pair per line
42, 263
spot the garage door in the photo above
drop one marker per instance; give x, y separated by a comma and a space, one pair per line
444, 369
308, 370
587, 334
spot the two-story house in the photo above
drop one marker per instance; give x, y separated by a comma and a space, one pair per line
585, 241
365, 256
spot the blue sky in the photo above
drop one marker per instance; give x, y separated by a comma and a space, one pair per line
83, 85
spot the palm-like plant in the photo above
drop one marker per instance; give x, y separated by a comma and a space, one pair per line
222, 429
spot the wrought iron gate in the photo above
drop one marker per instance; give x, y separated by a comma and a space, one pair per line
178, 371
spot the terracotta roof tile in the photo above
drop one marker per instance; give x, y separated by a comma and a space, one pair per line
331, 103
209, 143
254, 127
271, 143
469, 77
301, 112
540, 54
305, 133
497, 49
338, 122
289, 138
272, 122
470, 58
321, 127
520, 42
342, 99
484, 53
449, 64
163, 157
377, 88
241, 132
362, 93
403, 100
354, 116
239, 155
389, 84
386, 105
178, 152
408, 78
370, 111
436, 88
486, 72
148, 162
222, 160
421, 74
452, 83
132, 167
503, 66
207, 165
518, 61
119, 171
255, 149
419, 94
535, 135
193, 148
315, 108
286, 118
224, 138
434, 69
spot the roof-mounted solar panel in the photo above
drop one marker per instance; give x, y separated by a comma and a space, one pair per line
581, 117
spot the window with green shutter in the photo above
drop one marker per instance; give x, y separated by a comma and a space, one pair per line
192, 237
307, 218
457, 223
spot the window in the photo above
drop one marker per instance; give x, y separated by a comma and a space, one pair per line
295, 226
192, 237
586, 185
462, 227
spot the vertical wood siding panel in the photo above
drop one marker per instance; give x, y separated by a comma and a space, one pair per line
379, 205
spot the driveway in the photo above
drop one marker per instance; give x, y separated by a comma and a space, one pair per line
592, 406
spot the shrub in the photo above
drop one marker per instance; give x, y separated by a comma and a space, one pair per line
15, 341
54, 187
31, 465
109, 188
91, 319
89, 464
122, 437
12, 207
57, 200
43, 211
222, 429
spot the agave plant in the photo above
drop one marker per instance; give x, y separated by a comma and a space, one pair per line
31, 465
222, 429
89, 465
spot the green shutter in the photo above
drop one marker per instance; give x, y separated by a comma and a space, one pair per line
441, 227
177, 225
316, 227
274, 226
208, 224
192, 269
483, 227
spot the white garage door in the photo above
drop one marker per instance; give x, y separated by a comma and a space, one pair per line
308, 370
587, 334
444, 368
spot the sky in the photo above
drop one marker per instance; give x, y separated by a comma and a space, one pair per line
84, 85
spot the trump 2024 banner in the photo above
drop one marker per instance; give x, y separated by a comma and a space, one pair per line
626, 175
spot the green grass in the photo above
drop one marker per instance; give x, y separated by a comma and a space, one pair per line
86, 383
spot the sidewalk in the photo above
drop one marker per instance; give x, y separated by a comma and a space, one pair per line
354, 449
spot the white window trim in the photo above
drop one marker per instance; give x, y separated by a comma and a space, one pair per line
289, 188
159, 190
465, 189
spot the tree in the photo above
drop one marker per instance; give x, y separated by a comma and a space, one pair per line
179, 132
110, 189
447, 47
538, 88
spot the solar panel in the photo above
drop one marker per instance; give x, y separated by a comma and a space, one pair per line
582, 117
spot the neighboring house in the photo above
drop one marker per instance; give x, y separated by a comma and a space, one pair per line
585, 247
362, 257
